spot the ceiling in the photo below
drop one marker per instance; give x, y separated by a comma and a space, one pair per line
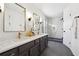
51, 9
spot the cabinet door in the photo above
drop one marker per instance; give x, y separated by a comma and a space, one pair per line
34, 51
42, 45
46, 40
24, 49
12, 52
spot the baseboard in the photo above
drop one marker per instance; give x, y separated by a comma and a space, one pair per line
55, 39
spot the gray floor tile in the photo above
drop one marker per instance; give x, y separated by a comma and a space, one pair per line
56, 49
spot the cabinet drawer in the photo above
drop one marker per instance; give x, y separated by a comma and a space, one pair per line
12, 52
25, 48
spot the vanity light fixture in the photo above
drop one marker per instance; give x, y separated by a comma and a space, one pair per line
1, 7
29, 19
29, 15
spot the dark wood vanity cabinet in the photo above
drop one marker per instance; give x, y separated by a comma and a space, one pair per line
33, 48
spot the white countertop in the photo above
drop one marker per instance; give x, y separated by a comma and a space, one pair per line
7, 44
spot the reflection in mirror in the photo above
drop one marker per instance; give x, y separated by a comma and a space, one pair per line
14, 17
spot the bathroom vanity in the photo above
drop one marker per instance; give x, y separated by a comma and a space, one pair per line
26, 46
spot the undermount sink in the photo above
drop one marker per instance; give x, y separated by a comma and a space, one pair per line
23, 38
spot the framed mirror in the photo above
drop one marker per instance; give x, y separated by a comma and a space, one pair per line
36, 23
14, 17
